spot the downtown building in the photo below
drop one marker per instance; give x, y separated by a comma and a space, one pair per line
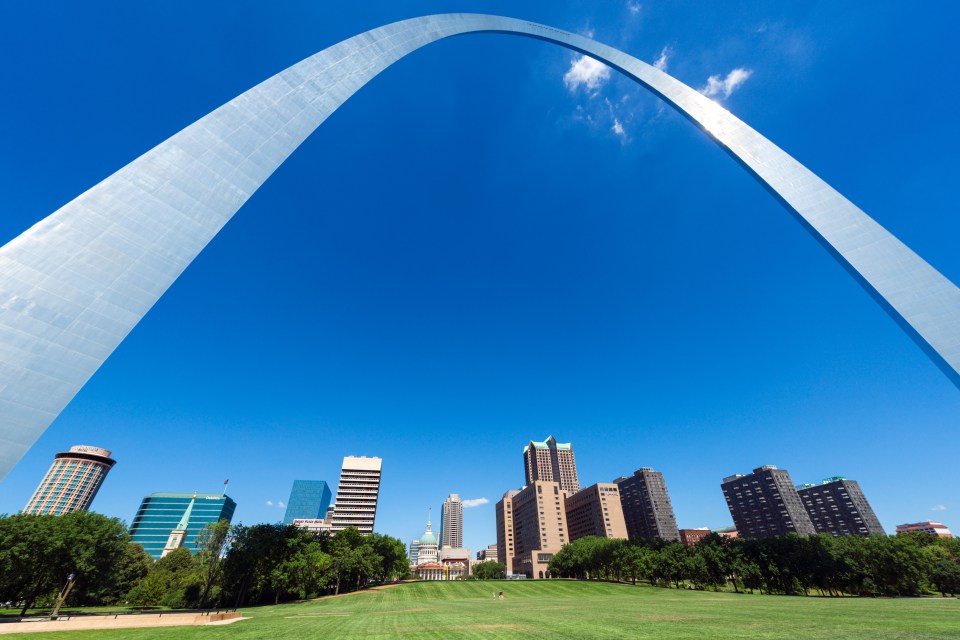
430, 562
490, 554
595, 511
451, 523
505, 541
531, 528
765, 503
551, 461
937, 529
691, 537
837, 506
357, 494
309, 500
72, 481
166, 521
646, 505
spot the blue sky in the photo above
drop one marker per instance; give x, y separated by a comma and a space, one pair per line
495, 241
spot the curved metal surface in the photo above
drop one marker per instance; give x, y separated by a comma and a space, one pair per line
75, 284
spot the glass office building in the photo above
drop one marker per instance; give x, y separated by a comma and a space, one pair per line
309, 500
160, 514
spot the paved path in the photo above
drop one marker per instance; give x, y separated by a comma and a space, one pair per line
112, 622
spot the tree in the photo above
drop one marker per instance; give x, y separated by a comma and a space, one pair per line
302, 573
130, 571
40, 553
489, 571
211, 543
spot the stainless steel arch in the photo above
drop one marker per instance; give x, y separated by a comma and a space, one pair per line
74, 285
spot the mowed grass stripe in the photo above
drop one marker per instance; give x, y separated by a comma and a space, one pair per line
569, 609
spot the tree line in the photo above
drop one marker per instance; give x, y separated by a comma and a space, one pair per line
232, 566
901, 565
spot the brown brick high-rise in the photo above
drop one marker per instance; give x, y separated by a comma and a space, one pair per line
838, 507
765, 504
646, 506
595, 511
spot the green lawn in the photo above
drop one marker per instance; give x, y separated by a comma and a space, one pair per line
566, 609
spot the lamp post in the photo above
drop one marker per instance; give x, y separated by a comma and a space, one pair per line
62, 596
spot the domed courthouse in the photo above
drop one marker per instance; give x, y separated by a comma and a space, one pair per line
432, 563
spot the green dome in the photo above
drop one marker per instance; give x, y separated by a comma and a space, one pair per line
428, 538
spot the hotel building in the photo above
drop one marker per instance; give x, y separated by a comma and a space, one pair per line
71, 482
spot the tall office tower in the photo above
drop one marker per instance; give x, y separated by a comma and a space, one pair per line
765, 503
646, 506
595, 511
451, 523
551, 461
309, 500
505, 545
72, 481
538, 516
838, 506
357, 493
414, 552
166, 521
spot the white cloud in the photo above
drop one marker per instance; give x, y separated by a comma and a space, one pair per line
587, 72
617, 128
269, 503
474, 502
279, 504
634, 7
939, 507
723, 87
661, 62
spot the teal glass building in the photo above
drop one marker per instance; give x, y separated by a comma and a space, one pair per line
160, 514
309, 499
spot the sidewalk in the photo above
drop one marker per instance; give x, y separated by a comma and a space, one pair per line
120, 622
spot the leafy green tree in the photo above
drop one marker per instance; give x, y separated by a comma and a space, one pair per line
211, 544
130, 571
255, 551
39, 554
489, 571
303, 572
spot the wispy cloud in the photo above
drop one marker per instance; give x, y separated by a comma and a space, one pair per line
938, 507
617, 128
634, 7
718, 86
474, 502
586, 72
661, 62
278, 504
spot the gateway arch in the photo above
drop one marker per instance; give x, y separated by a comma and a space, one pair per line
76, 283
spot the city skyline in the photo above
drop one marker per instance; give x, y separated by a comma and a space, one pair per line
850, 379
